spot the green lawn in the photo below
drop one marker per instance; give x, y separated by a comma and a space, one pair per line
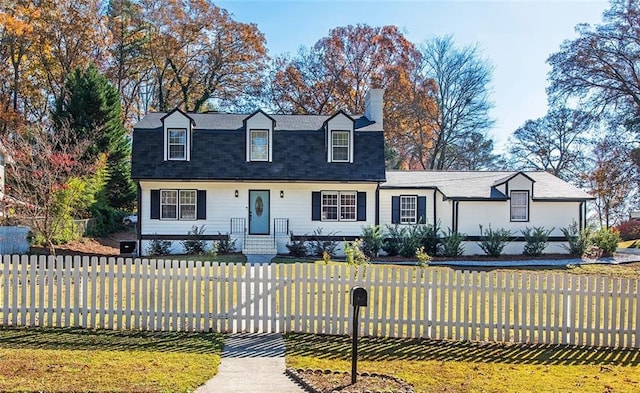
463, 367
34, 360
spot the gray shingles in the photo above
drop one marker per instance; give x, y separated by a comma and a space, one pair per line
461, 184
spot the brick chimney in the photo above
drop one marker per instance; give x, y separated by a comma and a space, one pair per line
373, 104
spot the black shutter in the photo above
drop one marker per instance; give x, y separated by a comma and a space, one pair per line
395, 210
155, 204
202, 205
315, 206
362, 206
422, 210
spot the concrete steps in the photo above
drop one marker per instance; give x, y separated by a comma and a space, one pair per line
259, 244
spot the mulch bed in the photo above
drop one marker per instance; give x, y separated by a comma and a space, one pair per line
328, 381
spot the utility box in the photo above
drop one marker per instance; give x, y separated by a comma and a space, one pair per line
127, 246
359, 297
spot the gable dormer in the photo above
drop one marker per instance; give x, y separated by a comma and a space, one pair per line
518, 188
339, 137
259, 136
178, 128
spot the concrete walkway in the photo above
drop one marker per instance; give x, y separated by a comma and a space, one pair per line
252, 363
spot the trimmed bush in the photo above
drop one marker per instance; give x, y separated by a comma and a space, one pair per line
492, 242
606, 239
536, 238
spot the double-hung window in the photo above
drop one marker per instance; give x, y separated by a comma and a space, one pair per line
188, 204
178, 204
177, 144
169, 204
340, 146
519, 205
408, 209
259, 145
339, 206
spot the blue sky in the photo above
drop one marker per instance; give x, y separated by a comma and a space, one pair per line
516, 37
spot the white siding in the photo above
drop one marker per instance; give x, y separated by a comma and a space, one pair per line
385, 203
222, 206
520, 183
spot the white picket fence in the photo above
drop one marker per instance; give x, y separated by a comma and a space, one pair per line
438, 303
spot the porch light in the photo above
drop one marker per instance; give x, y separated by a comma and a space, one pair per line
236, 193
281, 194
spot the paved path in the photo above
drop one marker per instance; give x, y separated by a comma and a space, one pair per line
252, 363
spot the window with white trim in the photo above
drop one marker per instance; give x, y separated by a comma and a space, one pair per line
188, 199
169, 204
259, 145
408, 209
178, 204
339, 205
340, 146
177, 143
519, 205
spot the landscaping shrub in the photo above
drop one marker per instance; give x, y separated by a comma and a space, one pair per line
492, 242
106, 220
194, 243
371, 240
320, 245
158, 246
393, 241
411, 240
354, 254
226, 246
606, 239
536, 239
579, 240
298, 248
629, 230
452, 243
430, 238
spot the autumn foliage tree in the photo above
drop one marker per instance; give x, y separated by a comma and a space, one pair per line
337, 72
42, 163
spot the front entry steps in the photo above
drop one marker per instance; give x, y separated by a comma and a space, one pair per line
259, 248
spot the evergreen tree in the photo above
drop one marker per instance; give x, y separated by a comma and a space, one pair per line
90, 106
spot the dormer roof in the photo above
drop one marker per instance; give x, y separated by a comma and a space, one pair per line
174, 110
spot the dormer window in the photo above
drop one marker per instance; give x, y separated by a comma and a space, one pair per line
259, 136
259, 149
177, 128
177, 143
340, 146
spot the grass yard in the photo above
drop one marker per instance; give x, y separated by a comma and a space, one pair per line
66, 360
463, 367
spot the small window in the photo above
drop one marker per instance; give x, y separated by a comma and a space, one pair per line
408, 209
348, 206
169, 204
519, 205
259, 145
177, 146
329, 206
188, 204
340, 146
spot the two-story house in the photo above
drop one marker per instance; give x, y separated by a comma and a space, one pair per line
257, 178
263, 180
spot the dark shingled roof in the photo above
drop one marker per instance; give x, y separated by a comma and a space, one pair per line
218, 151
